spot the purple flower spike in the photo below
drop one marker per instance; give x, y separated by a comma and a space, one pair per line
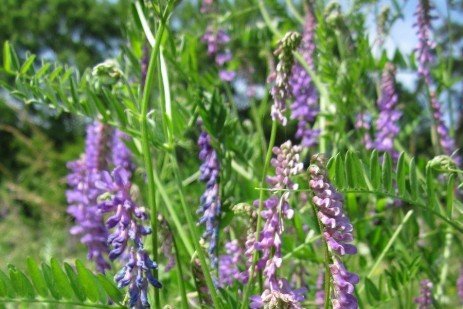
82, 195
387, 127
424, 50
446, 142
126, 219
425, 59
276, 209
337, 227
424, 301
216, 42
362, 123
343, 284
209, 208
337, 231
281, 297
281, 90
228, 265
305, 107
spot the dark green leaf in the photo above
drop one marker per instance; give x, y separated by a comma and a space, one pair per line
401, 176
37, 277
51, 284
387, 173
413, 180
79, 290
87, 280
375, 170
113, 292
62, 283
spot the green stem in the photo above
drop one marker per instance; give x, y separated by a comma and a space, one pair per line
173, 214
445, 266
389, 244
146, 151
255, 256
180, 278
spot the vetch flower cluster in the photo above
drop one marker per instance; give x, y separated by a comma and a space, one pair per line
425, 59
281, 89
387, 127
305, 107
167, 243
424, 301
228, 265
337, 232
126, 220
277, 209
82, 195
425, 47
209, 208
216, 41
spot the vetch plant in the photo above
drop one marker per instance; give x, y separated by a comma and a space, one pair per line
185, 197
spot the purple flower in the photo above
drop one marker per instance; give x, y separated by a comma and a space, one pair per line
276, 209
209, 208
337, 231
82, 195
228, 265
281, 297
460, 285
121, 155
425, 59
424, 301
343, 284
136, 274
281, 89
127, 222
446, 141
386, 124
425, 44
216, 42
305, 107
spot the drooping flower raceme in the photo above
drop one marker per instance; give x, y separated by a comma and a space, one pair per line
425, 59
277, 208
424, 50
337, 232
387, 127
228, 265
424, 301
216, 41
281, 89
209, 208
126, 220
305, 107
82, 195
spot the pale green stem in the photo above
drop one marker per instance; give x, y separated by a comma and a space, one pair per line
445, 265
388, 246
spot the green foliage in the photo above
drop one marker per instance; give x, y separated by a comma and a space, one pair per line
50, 284
352, 175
